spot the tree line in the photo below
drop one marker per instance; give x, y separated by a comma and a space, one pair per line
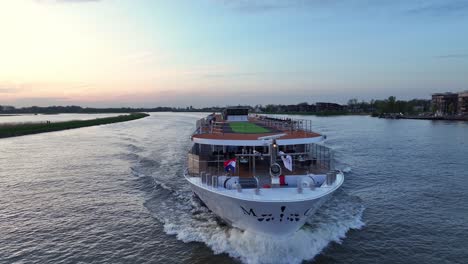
89, 110
354, 106
391, 105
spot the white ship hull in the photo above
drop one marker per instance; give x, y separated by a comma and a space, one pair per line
258, 213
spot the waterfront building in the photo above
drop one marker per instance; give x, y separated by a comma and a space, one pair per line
463, 103
329, 107
444, 103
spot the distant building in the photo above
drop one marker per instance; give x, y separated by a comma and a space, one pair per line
6, 108
463, 103
292, 108
444, 103
310, 108
329, 107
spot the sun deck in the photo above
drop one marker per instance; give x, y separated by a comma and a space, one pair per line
254, 129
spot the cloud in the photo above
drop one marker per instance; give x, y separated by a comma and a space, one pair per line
269, 5
427, 7
250, 74
8, 90
41, 101
232, 75
453, 56
445, 7
65, 1
76, 1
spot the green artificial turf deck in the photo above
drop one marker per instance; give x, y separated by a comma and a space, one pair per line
246, 127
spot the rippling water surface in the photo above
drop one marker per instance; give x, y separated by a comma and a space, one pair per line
116, 194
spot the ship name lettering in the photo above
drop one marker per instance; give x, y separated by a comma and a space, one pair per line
251, 212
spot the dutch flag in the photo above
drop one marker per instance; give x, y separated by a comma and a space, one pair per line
230, 165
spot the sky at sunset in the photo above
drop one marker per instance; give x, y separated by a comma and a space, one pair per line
145, 53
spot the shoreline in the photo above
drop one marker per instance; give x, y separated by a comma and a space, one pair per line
438, 118
433, 118
319, 114
22, 129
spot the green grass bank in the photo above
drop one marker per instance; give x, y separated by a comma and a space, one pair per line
14, 130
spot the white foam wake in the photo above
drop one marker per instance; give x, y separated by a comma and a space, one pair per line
346, 169
331, 224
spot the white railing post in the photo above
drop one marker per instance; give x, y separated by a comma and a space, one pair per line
239, 187
213, 178
299, 186
331, 178
312, 186
202, 176
257, 189
207, 177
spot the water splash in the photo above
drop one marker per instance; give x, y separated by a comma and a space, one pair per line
189, 221
346, 169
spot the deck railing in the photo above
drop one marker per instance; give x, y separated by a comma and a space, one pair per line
316, 159
283, 123
204, 126
213, 181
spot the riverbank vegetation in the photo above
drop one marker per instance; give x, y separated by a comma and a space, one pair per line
392, 105
73, 109
324, 113
20, 129
353, 107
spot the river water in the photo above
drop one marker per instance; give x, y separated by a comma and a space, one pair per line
116, 194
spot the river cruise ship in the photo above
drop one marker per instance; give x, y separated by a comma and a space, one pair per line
260, 173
